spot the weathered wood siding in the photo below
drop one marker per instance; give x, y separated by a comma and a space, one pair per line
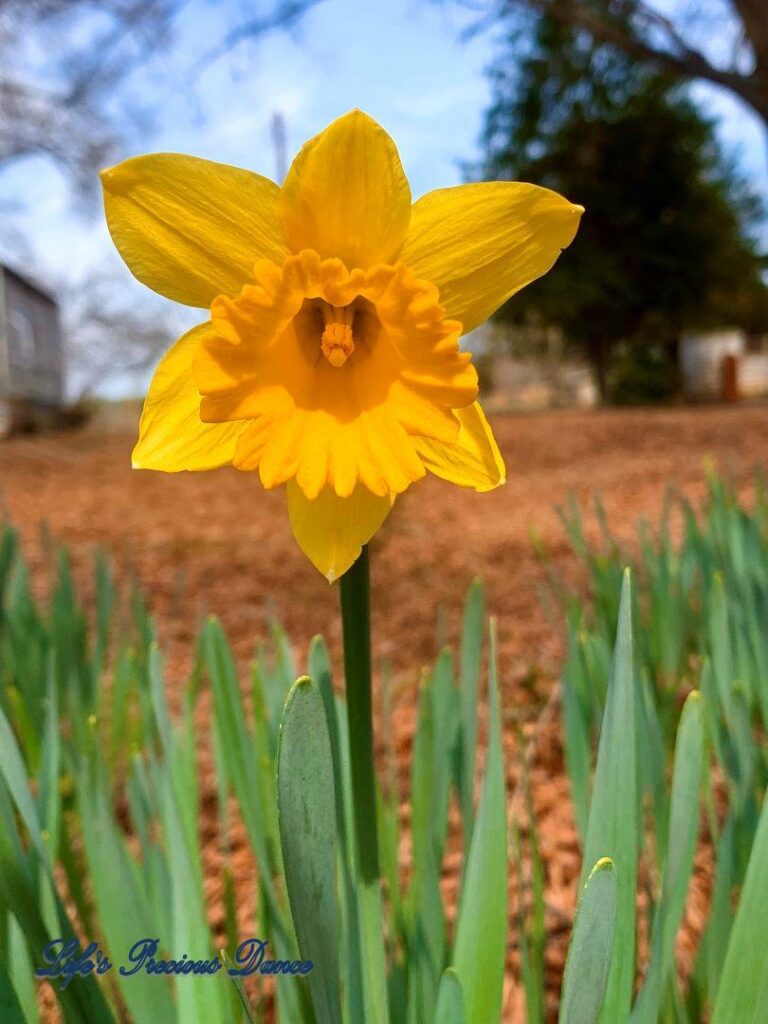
31, 356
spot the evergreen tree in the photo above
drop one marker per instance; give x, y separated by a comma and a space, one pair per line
666, 242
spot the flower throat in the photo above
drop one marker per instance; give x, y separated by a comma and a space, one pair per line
337, 340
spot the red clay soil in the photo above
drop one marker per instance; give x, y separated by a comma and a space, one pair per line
216, 542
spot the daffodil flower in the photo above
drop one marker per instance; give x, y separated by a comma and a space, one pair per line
331, 359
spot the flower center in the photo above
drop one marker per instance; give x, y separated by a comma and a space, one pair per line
337, 341
339, 375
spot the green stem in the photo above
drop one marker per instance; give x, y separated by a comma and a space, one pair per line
356, 626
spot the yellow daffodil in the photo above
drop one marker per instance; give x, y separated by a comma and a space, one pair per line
331, 360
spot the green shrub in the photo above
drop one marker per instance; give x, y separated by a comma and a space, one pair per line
642, 373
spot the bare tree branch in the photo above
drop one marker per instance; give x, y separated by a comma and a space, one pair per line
109, 336
285, 15
62, 111
645, 34
63, 108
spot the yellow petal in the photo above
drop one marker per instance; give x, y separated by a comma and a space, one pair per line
346, 194
473, 460
482, 243
331, 530
172, 436
189, 228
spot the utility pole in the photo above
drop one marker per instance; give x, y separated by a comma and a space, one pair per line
279, 136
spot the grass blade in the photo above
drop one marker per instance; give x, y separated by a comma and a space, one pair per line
613, 828
450, 1000
591, 948
683, 829
10, 1007
747, 958
471, 652
307, 818
481, 934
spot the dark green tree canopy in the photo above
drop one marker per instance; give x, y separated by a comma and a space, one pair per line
666, 242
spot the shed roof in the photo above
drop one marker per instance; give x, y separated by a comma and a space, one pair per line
29, 282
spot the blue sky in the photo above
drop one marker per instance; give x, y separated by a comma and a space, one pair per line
403, 61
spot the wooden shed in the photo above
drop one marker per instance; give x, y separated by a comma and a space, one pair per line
32, 385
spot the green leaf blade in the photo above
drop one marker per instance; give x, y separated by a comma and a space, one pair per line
480, 947
450, 999
591, 948
612, 830
307, 819
747, 957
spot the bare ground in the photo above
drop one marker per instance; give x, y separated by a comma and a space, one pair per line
216, 542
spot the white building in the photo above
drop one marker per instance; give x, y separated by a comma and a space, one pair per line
723, 363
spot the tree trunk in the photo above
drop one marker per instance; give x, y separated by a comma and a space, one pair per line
600, 352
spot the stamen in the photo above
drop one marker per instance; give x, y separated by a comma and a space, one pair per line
337, 341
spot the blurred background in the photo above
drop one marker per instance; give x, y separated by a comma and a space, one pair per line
653, 116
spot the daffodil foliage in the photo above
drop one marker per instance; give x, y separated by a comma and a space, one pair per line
330, 360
